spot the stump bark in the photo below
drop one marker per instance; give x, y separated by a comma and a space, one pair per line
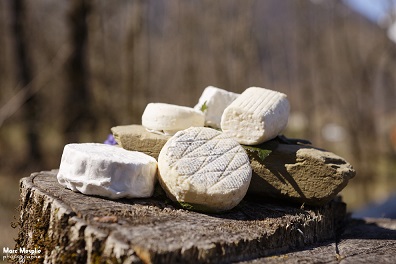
69, 227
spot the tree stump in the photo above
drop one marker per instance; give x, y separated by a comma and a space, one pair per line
70, 227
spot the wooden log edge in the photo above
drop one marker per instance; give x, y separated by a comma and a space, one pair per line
71, 227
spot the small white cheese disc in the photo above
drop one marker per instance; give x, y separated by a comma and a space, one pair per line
214, 100
204, 168
256, 116
169, 118
108, 171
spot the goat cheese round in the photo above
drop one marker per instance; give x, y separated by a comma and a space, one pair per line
205, 169
212, 102
169, 118
108, 171
256, 116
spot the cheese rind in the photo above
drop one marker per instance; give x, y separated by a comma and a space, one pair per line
215, 100
256, 116
108, 171
204, 167
169, 118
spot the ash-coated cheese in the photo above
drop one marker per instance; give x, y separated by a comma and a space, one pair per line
204, 168
108, 171
256, 116
214, 100
168, 118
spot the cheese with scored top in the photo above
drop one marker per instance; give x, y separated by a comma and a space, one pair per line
168, 118
204, 168
108, 171
256, 116
212, 102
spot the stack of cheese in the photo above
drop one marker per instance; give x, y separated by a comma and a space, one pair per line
199, 166
255, 116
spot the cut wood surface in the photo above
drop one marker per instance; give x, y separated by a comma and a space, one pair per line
363, 241
71, 227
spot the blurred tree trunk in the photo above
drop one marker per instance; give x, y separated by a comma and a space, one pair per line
24, 75
136, 68
78, 116
3, 50
357, 96
305, 75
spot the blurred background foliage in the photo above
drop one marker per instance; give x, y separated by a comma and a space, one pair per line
70, 70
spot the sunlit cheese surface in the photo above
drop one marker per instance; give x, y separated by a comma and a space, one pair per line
256, 116
213, 101
169, 118
108, 171
204, 168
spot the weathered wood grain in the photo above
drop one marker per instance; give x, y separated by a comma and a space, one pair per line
73, 228
363, 241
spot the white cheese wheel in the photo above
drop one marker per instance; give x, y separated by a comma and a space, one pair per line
215, 101
257, 115
108, 171
169, 118
204, 168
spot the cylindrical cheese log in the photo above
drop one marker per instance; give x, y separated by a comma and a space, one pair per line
256, 116
108, 171
212, 102
168, 118
205, 169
